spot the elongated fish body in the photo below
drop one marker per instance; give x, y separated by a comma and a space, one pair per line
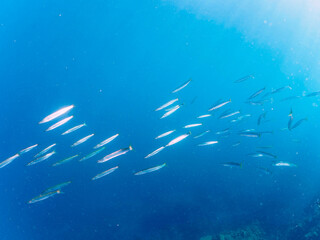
229, 115
182, 86
106, 141
262, 115
290, 98
202, 134
264, 147
298, 123
231, 164
90, 155
60, 123
280, 89
313, 94
193, 125
207, 143
284, 164
219, 105
255, 155
224, 131
236, 144
178, 139
204, 116
165, 134
167, 104
290, 120
57, 187
73, 129
56, 114
45, 150
40, 159
28, 149
149, 170
8, 160
116, 154
255, 103
63, 161
175, 108
155, 152
267, 154
100, 175
257, 93
250, 134
44, 196
244, 79
82, 140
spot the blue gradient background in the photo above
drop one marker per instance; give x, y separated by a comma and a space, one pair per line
116, 62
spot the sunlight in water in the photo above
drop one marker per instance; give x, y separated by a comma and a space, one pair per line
288, 27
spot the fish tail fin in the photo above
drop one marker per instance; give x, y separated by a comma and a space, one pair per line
130, 147
230, 100
290, 114
189, 132
241, 165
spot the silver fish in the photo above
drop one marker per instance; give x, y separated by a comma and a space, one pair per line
175, 108
73, 129
155, 152
255, 155
298, 123
149, 170
244, 78
314, 94
167, 104
290, 98
250, 134
284, 164
44, 196
231, 164
178, 139
60, 123
106, 141
236, 144
40, 159
57, 187
165, 134
204, 116
262, 115
28, 149
182, 86
56, 114
8, 160
63, 161
116, 154
45, 150
90, 155
229, 115
280, 89
257, 93
193, 125
267, 154
82, 140
207, 143
202, 134
100, 175
223, 131
219, 105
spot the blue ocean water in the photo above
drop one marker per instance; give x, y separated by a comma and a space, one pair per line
117, 62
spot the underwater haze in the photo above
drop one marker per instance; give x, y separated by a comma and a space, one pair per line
236, 84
